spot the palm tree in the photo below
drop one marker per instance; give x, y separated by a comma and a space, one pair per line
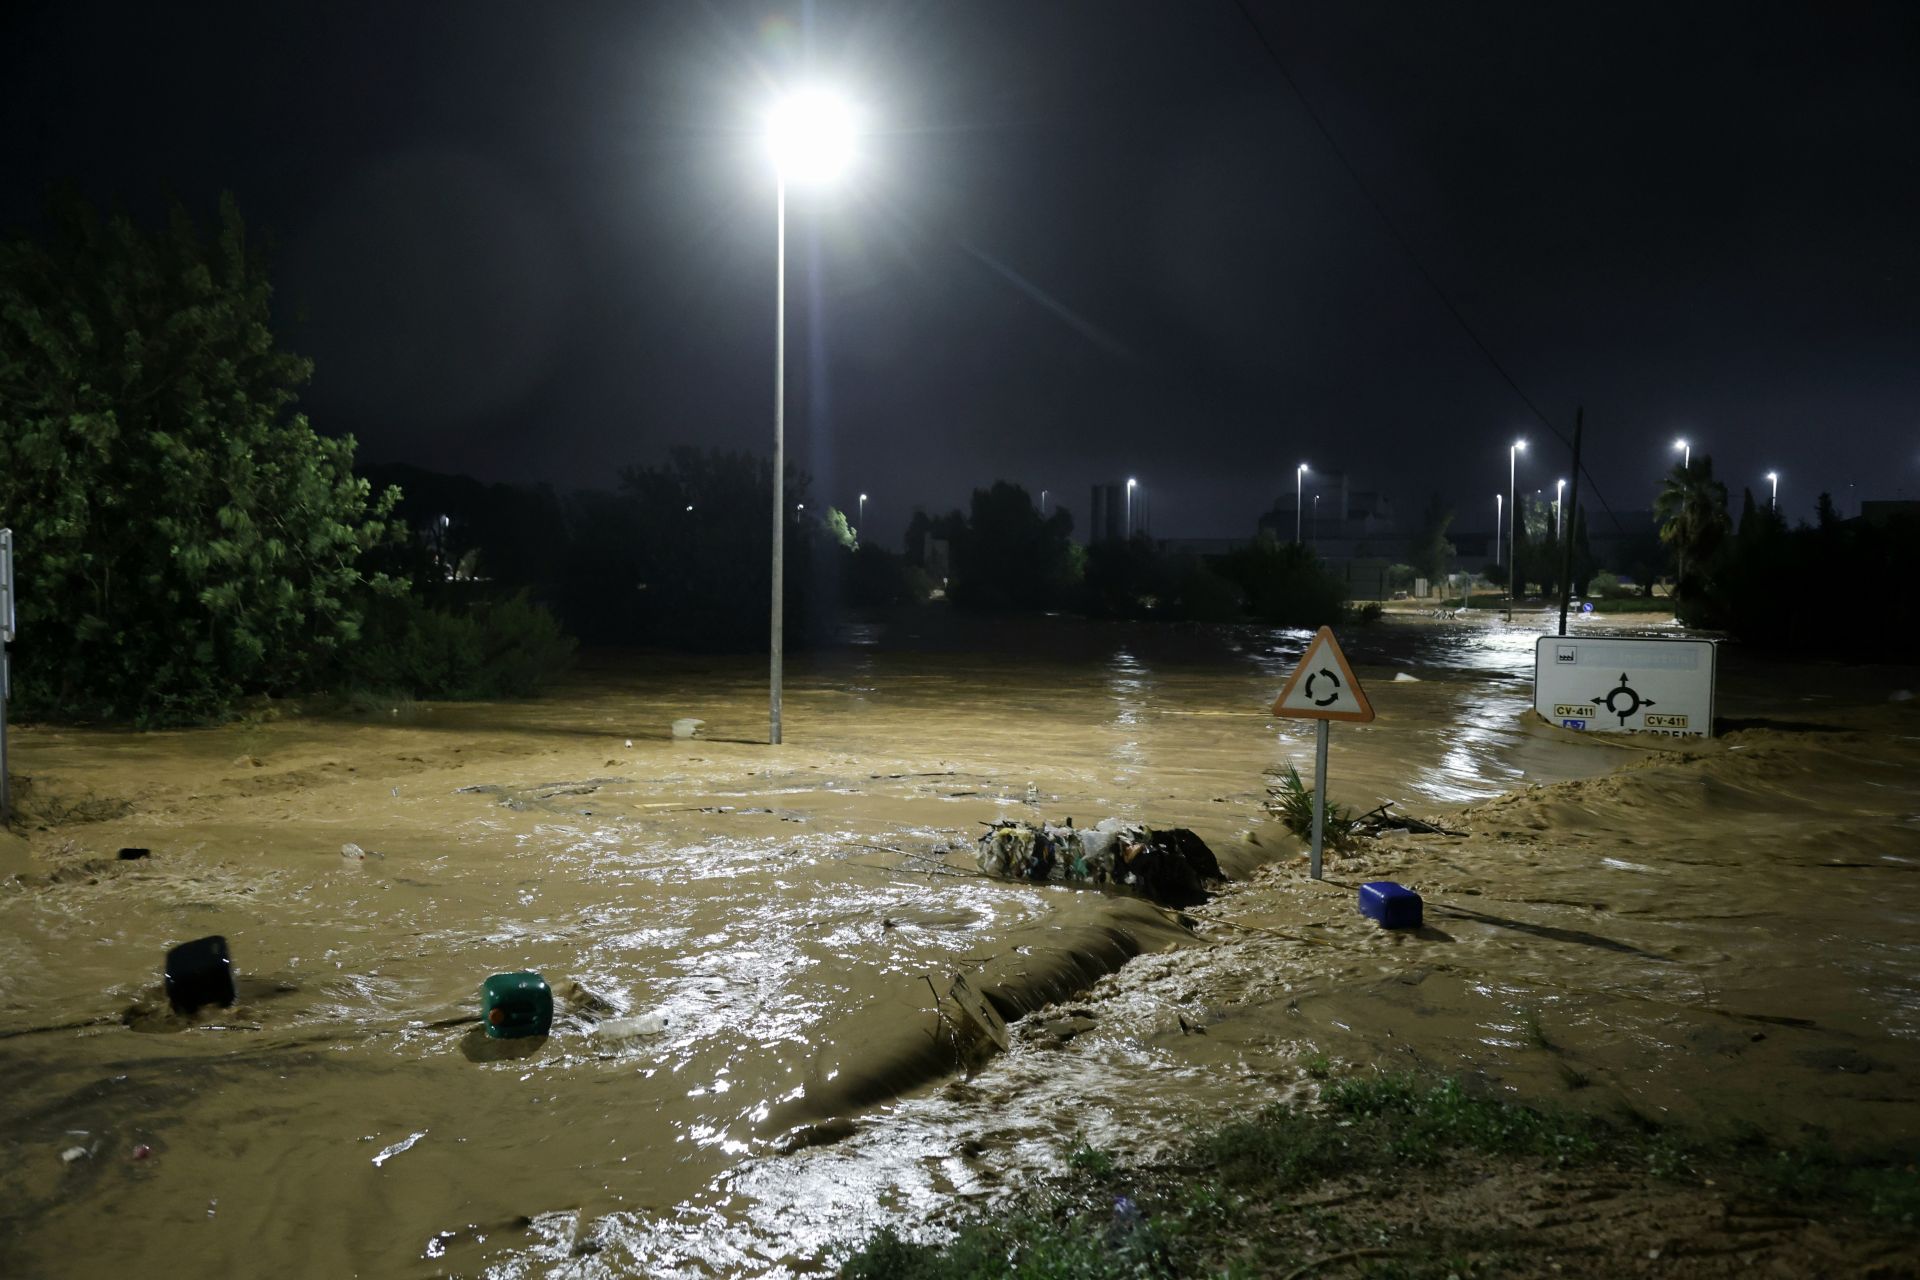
1692, 510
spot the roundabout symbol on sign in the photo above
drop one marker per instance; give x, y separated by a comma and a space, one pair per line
1633, 700
1332, 679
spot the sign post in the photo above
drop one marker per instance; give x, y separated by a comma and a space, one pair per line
6, 669
1322, 688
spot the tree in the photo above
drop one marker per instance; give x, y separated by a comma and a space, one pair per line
1536, 551
1692, 510
701, 550
839, 531
1430, 553
1010, 557
1284, 583
183, 537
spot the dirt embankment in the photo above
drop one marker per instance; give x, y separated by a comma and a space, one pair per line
1716, 943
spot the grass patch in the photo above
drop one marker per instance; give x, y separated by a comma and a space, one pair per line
1423, 1122
1237, 1201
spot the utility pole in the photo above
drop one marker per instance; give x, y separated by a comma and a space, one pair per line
6, 667
1566, 550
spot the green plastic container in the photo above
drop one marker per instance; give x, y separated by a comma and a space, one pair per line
513, 1005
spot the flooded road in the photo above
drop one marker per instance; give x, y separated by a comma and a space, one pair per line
749, 942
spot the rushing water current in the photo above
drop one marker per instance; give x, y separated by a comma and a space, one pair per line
749, 943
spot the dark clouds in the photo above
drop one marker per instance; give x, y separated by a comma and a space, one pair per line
1089, 240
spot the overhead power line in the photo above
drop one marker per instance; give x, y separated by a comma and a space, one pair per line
1406, 247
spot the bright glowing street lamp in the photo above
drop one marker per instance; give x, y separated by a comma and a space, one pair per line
810, 139
1131, 482
1499, 517
1316, 522
862, 519
1686, 453
1559, 490
1299, 479
1773, 500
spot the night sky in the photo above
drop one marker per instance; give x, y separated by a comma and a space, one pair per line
1083, 240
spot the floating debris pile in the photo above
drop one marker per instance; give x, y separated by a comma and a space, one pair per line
1168, 865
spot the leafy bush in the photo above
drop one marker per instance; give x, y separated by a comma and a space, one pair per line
183, 538
501, 648
1285, 584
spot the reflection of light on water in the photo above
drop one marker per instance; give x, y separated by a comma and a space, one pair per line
730, 900
1127, 687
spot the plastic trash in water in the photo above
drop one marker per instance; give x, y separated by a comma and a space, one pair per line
199, 973
642, 1024
1394, 906
518, 1004
688, 727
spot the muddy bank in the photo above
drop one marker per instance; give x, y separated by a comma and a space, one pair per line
777, 916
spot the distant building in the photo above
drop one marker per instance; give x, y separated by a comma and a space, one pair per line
1341, 512
1111, 514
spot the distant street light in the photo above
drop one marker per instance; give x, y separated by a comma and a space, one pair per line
1499, 506
862, 520
1773, 500
1043, 503
1316, 523
1559, 491
1513, 511
1686, 453
1130, 483
810, 138
1299, 479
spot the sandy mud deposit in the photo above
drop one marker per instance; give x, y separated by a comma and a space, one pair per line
753, 1061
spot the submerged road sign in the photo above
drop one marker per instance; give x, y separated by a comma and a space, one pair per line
1621, 685
1323, 687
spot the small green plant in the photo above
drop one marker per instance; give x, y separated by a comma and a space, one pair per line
1317, 1067
1090, 1160
1291, 800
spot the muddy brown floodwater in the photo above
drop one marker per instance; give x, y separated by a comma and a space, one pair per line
750, 1066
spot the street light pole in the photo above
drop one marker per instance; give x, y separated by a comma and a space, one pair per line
1559, 489
1686, 454
1499, 518
1299, 479
1513, 512
1043, 503
1316, 524
810, 136
863, 512
1130, 483
777, 640
1773, 500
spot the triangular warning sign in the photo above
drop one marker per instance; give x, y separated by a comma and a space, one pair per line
1322, 687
